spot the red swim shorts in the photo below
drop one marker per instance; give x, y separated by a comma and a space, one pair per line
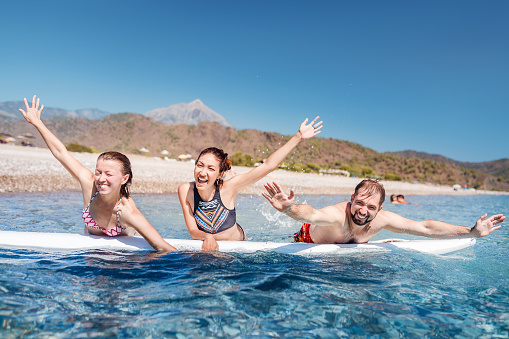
303, 234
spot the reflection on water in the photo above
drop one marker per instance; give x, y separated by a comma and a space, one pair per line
179, 295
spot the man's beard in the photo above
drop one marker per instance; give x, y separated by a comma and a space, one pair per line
360, 222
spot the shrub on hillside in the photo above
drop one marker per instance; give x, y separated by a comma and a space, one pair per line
299, 167
367, 171
242, 159
80, 148
313, 167
392, 177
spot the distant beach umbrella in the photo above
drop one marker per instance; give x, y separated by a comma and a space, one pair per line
144, 150
26, 136
6, 135
165, 152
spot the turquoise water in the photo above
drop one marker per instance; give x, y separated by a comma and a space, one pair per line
262, 295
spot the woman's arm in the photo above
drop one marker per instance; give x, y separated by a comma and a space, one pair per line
185, 193
306, 131
33, 116
132, 217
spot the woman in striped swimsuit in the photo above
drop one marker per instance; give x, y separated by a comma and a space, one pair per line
208, 202
108, 207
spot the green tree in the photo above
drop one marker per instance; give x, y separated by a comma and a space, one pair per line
392, 177
313, 167
367, 171
79, 148
242, 159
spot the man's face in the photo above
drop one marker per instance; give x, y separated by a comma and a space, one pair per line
364, 208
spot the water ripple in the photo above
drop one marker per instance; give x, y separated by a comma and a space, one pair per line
260, 295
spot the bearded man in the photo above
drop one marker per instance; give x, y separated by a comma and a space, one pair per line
358, 220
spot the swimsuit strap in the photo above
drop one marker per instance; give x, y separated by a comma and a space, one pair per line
118, 218
118, 206
91, 200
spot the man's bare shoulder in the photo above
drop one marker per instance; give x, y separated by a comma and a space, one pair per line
334, 214
341, 207
386, 218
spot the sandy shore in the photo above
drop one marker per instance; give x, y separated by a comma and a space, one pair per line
31, 169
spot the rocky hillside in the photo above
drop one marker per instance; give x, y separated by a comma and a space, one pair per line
497, 168
129, 132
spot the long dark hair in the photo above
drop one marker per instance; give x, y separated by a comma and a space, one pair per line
224, 162
126, 168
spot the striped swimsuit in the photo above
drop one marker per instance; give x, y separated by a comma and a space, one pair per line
90, 222
212, 216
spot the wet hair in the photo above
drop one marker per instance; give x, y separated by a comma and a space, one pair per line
393, 197
126, 168
224, 162
371, 187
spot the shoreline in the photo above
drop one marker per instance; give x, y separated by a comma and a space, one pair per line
33, 169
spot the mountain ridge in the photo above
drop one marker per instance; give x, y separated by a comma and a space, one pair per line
129, 132
499, 167
188, 113
191, 113
9, 112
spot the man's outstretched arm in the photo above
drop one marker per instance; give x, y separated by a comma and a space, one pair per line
305, 213
441, 230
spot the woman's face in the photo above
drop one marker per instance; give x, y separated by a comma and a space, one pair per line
206, 171
109, 176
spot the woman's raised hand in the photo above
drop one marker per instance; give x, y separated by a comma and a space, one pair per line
32, 114
310, 130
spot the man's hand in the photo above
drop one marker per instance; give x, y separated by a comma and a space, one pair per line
209, 243
277, 198
484, 226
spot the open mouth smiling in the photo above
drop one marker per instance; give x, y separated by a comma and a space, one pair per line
201, 181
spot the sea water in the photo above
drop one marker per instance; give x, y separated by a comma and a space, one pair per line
382, 294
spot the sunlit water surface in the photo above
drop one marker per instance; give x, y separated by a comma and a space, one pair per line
262, 295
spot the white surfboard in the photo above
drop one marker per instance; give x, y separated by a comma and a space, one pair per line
69, 241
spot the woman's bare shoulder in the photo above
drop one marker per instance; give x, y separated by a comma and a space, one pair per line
185, 191
186, 186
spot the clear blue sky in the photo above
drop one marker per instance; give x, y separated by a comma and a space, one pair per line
429, 76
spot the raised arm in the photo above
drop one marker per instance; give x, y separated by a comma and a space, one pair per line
304, 213
442, 230
59, 151
306, 131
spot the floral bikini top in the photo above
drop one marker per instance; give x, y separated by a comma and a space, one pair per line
90, 222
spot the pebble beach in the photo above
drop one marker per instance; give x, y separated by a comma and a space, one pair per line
32, 169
